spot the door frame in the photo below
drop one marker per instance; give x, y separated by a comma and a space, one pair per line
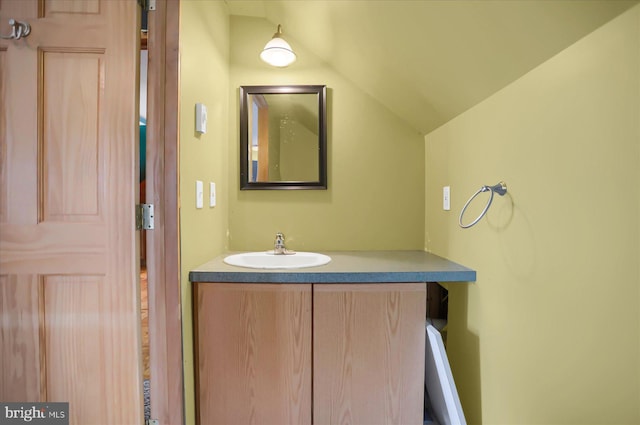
163, 243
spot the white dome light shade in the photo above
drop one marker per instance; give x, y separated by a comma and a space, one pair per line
277, 52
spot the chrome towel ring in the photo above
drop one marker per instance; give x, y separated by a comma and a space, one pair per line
500, 189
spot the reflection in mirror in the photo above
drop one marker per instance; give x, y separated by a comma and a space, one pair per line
283, 137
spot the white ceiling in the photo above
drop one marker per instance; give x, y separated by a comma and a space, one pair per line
430, 60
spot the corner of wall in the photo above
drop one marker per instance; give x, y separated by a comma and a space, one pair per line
204, 78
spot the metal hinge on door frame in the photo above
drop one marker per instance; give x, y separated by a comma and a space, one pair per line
153, 422
144, 217
147, 4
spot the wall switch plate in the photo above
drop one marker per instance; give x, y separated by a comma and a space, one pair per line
212, 194
199, 194
201, 118
446, 198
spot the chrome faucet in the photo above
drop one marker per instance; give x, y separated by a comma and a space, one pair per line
278, 246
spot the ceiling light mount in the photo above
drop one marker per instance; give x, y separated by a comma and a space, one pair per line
277, 51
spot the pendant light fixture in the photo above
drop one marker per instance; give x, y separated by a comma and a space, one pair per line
277, 52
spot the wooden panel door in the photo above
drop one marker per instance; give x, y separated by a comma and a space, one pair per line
253, 353
368, 353
69, 297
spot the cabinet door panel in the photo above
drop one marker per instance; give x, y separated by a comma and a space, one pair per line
369, 353
254, 353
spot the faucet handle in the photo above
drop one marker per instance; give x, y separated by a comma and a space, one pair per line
278, 244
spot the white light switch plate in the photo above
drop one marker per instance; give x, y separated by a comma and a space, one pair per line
212, 194
199, 194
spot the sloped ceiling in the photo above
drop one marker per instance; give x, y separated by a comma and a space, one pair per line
430, 60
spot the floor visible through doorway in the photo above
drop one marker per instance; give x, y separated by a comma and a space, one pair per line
144, 310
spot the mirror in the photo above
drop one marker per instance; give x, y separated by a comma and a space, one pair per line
283, 137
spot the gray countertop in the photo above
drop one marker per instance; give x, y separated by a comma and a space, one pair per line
345, 267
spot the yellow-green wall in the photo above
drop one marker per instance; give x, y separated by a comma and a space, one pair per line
375, 198
550, 332
376, 161
204, 78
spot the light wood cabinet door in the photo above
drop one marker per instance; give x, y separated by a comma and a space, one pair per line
253, 353
368, 353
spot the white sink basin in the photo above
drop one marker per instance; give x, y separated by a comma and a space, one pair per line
268, 260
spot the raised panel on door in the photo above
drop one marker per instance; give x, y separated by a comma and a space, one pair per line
67, 235
368, 353
79, 330
85, 7
254, 353
71, 140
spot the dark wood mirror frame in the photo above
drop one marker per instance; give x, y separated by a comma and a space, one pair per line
245, 93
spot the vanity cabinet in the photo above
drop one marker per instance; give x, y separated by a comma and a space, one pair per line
253, 353
280, 353
368, 353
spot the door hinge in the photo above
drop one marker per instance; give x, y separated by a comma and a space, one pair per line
147, 4
144, 217
153, 422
